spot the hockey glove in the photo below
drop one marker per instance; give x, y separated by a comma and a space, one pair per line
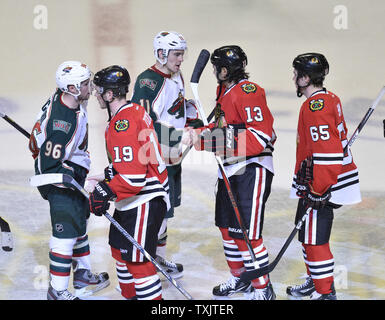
304, 176
109, 173
222, 141
315, 200
100, 197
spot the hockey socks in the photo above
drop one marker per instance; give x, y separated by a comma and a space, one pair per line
320, 266
233, 256
81, 253
137, 279
262, 259
126, 281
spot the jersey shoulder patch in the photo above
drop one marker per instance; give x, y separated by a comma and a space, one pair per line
249, 87
316, 104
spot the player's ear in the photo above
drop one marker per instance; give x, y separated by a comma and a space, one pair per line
224, 72
72, 89
160, 54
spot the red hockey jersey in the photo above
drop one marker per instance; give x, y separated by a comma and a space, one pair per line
245, 104
134, 151
322, 134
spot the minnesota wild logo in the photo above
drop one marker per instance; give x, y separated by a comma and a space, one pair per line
177, 108
316, 105
121, 125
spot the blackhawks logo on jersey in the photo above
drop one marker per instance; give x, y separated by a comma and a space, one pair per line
249, 88
121, 125
177, 108
316, 105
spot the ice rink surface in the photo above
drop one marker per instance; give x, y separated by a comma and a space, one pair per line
36, 36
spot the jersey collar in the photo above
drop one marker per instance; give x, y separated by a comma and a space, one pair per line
164, 75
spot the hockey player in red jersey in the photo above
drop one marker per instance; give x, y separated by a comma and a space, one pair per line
136, 180
243, 136
328, 179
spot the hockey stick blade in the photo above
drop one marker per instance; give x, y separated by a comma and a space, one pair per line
260, 272
200, 65
47, 178
6, 235
55, 178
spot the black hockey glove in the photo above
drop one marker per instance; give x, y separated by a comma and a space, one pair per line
223, 141
304, 176
316, 201
109, 173
100, 197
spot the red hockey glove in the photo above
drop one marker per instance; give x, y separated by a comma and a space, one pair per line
100, 197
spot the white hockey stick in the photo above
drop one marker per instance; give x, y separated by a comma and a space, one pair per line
57, 178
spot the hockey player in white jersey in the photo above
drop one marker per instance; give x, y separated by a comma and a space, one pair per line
160, 90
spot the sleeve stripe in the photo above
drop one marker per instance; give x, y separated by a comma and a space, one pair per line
328, 158
134, 180
262, 138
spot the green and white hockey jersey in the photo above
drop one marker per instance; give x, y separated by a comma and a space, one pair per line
163, 96
59, 139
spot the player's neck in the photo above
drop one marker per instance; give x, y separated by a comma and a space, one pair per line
70, 101
228, 84
163, 68
116, 105
308, 91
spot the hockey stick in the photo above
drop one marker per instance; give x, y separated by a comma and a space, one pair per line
14, 124
58, 178
6, 235
248, 275
199, 66
252, 274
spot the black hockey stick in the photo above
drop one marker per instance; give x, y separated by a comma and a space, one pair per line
199, 66
252, 274
6, 235
14, 124
58, 178
248, 275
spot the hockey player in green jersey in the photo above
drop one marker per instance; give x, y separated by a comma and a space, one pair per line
58, 143
160, 90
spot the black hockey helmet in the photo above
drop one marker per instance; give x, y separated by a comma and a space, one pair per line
313, 65
115, 78
232, 57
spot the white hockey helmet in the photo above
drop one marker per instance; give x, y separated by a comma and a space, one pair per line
166, 41
72, 73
